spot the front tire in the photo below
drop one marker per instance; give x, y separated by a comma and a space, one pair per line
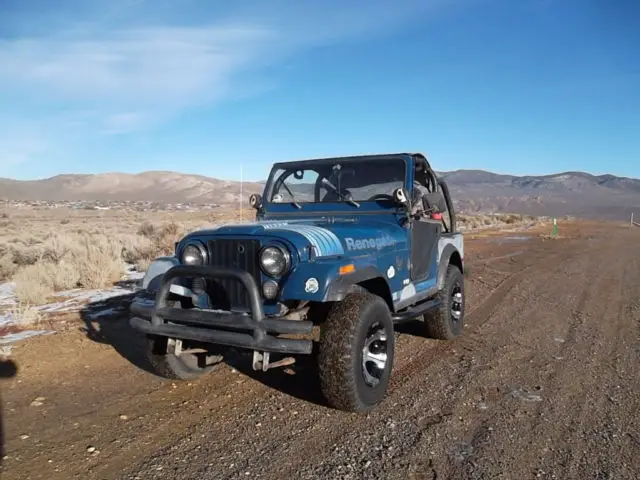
182, 365
447, 322
355, 358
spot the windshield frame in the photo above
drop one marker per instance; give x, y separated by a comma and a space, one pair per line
339, 206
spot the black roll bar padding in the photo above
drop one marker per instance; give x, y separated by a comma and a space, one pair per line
447, 198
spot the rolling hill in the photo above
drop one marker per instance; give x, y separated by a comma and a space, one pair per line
155, 186
567, 193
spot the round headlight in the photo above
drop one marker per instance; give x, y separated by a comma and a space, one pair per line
274, 260
193, 255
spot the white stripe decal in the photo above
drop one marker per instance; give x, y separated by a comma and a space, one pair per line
323, 240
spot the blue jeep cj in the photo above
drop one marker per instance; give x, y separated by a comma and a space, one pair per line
351, 245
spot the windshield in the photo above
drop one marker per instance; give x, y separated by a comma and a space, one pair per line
337, 180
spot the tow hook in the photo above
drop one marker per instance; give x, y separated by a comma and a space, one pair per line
261, 361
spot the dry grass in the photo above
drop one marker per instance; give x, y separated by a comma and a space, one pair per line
25, 315
499, 220
49, 250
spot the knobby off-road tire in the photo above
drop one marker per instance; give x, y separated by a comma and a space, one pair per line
357, 328
176, 367
447, 322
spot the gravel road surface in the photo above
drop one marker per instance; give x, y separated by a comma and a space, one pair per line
544, 383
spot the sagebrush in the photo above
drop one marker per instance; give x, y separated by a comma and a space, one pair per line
49, 250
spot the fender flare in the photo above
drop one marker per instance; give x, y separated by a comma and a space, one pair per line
443, 263
343, 284
156, 270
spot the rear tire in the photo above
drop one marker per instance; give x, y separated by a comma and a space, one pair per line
447, 322
185, 366
356, 352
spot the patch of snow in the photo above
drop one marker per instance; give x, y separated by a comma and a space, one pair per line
71, 301
78, 297
6, 319
136, 276
7, 295
101, 313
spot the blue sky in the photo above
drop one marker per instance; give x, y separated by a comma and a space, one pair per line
524, 87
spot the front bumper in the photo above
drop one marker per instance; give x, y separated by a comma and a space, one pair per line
241, 330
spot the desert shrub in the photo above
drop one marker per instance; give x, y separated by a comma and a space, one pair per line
25, 315
7, 267
98, 261
24, 255
147, 229
64, 276
136, 248
163, 236
69, 261
57, 247
36, 283
33, 284
511, 219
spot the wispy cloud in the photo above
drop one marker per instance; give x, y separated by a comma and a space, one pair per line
143, 69
131, 77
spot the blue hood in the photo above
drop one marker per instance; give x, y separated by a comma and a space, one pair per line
375, 246
326, 238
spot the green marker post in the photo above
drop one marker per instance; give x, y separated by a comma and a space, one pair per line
554, 230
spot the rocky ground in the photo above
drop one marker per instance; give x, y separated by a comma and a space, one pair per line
543, 384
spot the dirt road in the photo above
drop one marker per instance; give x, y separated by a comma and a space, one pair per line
543, 384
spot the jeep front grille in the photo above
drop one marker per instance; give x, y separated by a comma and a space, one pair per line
230, 294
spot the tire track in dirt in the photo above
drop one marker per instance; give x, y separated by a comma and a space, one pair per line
477, 318
422, 360
443, 393
482, 395
336, 424
600, 425
340, 426
567, 400
518, 393
450, 408
586, 335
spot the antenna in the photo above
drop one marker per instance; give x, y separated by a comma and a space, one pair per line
241, 194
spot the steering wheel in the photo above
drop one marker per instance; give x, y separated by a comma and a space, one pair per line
381, 196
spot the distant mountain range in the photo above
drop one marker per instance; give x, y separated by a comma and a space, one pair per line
568, 193
474, 191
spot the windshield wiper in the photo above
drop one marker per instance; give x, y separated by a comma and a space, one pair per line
293, 197
342, 196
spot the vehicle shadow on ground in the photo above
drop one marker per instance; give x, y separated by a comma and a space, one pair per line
8, 369
107, 322
299, 380
413, 328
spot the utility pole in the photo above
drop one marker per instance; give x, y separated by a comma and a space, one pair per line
631, 224
241, 194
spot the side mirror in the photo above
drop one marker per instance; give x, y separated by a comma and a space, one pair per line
400, 195
255, 200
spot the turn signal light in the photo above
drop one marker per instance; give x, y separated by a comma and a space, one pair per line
347, 269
